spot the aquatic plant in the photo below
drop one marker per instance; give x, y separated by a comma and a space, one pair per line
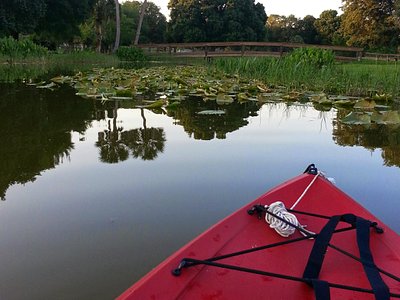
12, 49
136, 54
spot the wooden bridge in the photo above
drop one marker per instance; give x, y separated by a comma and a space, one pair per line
243, 49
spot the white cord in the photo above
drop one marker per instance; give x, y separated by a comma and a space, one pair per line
305, 191
281, 227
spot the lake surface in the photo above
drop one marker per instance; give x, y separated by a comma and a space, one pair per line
97, 194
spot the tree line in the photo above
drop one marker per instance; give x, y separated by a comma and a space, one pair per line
106, 24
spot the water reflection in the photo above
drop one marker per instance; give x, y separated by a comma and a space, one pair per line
36, 131
37, 126
115, 144
370, 136
208, 127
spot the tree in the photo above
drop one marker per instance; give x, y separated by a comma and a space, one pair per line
153, 27
187, 23
139, 27
327, 26
282, 29
61, 21
368, 23
102, 13
216, 20
117, 26
21, 16
306, 29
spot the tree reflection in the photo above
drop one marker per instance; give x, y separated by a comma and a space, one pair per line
371, 136
208, 127
112, 147
116, 144
36, 131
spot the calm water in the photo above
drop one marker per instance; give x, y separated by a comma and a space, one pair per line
95, 195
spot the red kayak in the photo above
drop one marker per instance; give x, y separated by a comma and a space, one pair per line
304, 239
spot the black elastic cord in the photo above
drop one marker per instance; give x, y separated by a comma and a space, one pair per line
187, 262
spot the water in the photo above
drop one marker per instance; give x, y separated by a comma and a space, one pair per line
95, 195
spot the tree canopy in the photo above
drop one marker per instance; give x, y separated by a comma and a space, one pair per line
369, 23
216, 20
21, 16
372, 24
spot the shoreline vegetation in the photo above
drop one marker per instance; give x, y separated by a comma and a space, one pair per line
304, 69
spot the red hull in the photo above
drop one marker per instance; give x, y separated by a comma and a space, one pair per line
240, 231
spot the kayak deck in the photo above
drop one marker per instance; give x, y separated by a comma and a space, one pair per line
240, 231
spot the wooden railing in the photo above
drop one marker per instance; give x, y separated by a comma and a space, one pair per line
381, 56
240, 49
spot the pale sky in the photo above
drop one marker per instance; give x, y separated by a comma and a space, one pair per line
299, 8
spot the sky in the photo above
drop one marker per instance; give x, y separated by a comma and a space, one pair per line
299, 8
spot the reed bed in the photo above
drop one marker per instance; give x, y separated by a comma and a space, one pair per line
353, 79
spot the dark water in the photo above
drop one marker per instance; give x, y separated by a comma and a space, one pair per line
95, 195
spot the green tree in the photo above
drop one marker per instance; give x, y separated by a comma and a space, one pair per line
327, 26
282, 28
103, 12
306, 29
21, 16
216, 20
61, 22
369, 23
187, 23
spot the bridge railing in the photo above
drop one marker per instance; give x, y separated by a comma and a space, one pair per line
240, 49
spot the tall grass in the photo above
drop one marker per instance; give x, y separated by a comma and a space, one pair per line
355, 78
12, 49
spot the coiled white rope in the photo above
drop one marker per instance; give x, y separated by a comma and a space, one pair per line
283, 228
278, 208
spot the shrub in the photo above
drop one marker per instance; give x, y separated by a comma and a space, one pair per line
13, 49
125, 53
312, 57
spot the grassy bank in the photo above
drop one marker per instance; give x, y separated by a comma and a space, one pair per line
52, 64
355, 78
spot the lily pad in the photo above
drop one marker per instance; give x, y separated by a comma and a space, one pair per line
224, 99
391, 117
382, 97
211, 112
343, 103
355, 118
365, 104
49, 86
156, 104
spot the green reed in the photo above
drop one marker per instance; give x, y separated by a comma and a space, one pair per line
355, 78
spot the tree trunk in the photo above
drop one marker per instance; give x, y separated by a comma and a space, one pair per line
117, 25
99, 37
139, 28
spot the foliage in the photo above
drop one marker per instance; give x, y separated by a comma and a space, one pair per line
125, 53
327, 26
369, 23
13, 49
312, 57
199, 21
61, 21
153, 27
353, 79
20, 17
290, 29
